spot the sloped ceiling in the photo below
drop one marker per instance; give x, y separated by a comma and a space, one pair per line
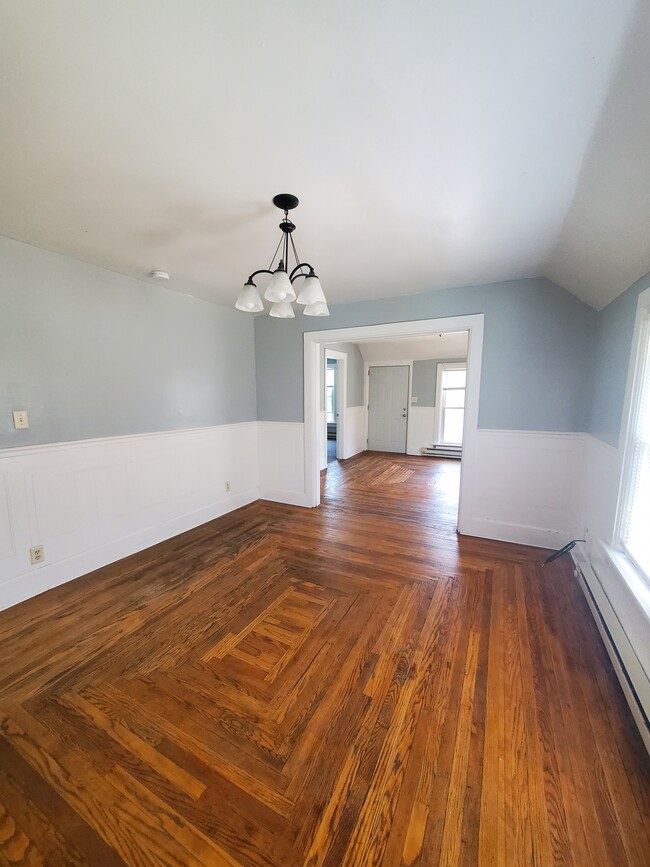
604, 245
431, 143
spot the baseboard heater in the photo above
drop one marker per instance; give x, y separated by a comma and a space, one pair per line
592, 589
455, 452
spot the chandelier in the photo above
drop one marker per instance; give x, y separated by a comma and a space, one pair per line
280, 291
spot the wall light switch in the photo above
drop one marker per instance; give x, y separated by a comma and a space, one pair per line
20, 419
414, 399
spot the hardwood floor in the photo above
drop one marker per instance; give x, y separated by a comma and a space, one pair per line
350, 685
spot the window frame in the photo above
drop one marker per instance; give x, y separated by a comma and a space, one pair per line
442, 366
628, 432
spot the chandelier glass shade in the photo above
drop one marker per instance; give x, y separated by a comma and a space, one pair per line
249, 300
280, 289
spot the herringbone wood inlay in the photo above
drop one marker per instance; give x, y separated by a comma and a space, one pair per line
350, 685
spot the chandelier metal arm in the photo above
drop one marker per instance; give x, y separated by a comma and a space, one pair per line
301, 265
261, 271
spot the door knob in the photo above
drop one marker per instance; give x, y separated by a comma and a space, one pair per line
403, 415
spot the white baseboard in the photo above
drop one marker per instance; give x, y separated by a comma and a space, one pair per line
291, 498
520, 534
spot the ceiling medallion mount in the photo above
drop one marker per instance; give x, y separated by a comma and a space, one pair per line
285, 201
280, 291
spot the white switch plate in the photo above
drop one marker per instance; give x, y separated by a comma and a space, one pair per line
20, 419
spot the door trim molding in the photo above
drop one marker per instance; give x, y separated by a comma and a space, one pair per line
313, 341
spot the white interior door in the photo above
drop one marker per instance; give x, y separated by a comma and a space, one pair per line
387, 408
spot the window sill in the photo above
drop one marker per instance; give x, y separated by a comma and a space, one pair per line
629, 573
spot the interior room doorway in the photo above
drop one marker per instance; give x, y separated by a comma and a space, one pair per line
334, 403
315, 362
330, 409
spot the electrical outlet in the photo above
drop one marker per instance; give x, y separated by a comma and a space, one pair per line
21, 421
227, 487
37, 554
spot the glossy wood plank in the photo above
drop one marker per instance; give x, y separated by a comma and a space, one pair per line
349, 685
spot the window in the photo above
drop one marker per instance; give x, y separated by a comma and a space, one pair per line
451, 401
634, 517
330, 374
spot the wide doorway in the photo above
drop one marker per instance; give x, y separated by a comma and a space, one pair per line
414, 410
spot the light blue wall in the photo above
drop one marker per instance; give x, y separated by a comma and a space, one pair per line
90, 353
425, 376
613, 344
537, 364
354, 379
424, 382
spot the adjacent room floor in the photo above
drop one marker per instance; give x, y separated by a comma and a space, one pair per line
353, 684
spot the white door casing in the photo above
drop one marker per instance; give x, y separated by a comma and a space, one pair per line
388, 408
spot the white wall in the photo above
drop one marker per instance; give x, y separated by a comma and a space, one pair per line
525, 487
281, 461
421, 425
354, 440
94, 501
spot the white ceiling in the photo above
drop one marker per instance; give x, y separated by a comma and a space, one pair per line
431, 143
448, 345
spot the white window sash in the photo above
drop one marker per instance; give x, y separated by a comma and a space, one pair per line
635, 444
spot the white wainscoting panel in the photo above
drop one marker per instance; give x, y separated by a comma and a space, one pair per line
282, 462
92, 502
420, 428
600, 482
7, 545
525, 487
355, 431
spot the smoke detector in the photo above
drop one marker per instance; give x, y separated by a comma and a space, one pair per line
159, 275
